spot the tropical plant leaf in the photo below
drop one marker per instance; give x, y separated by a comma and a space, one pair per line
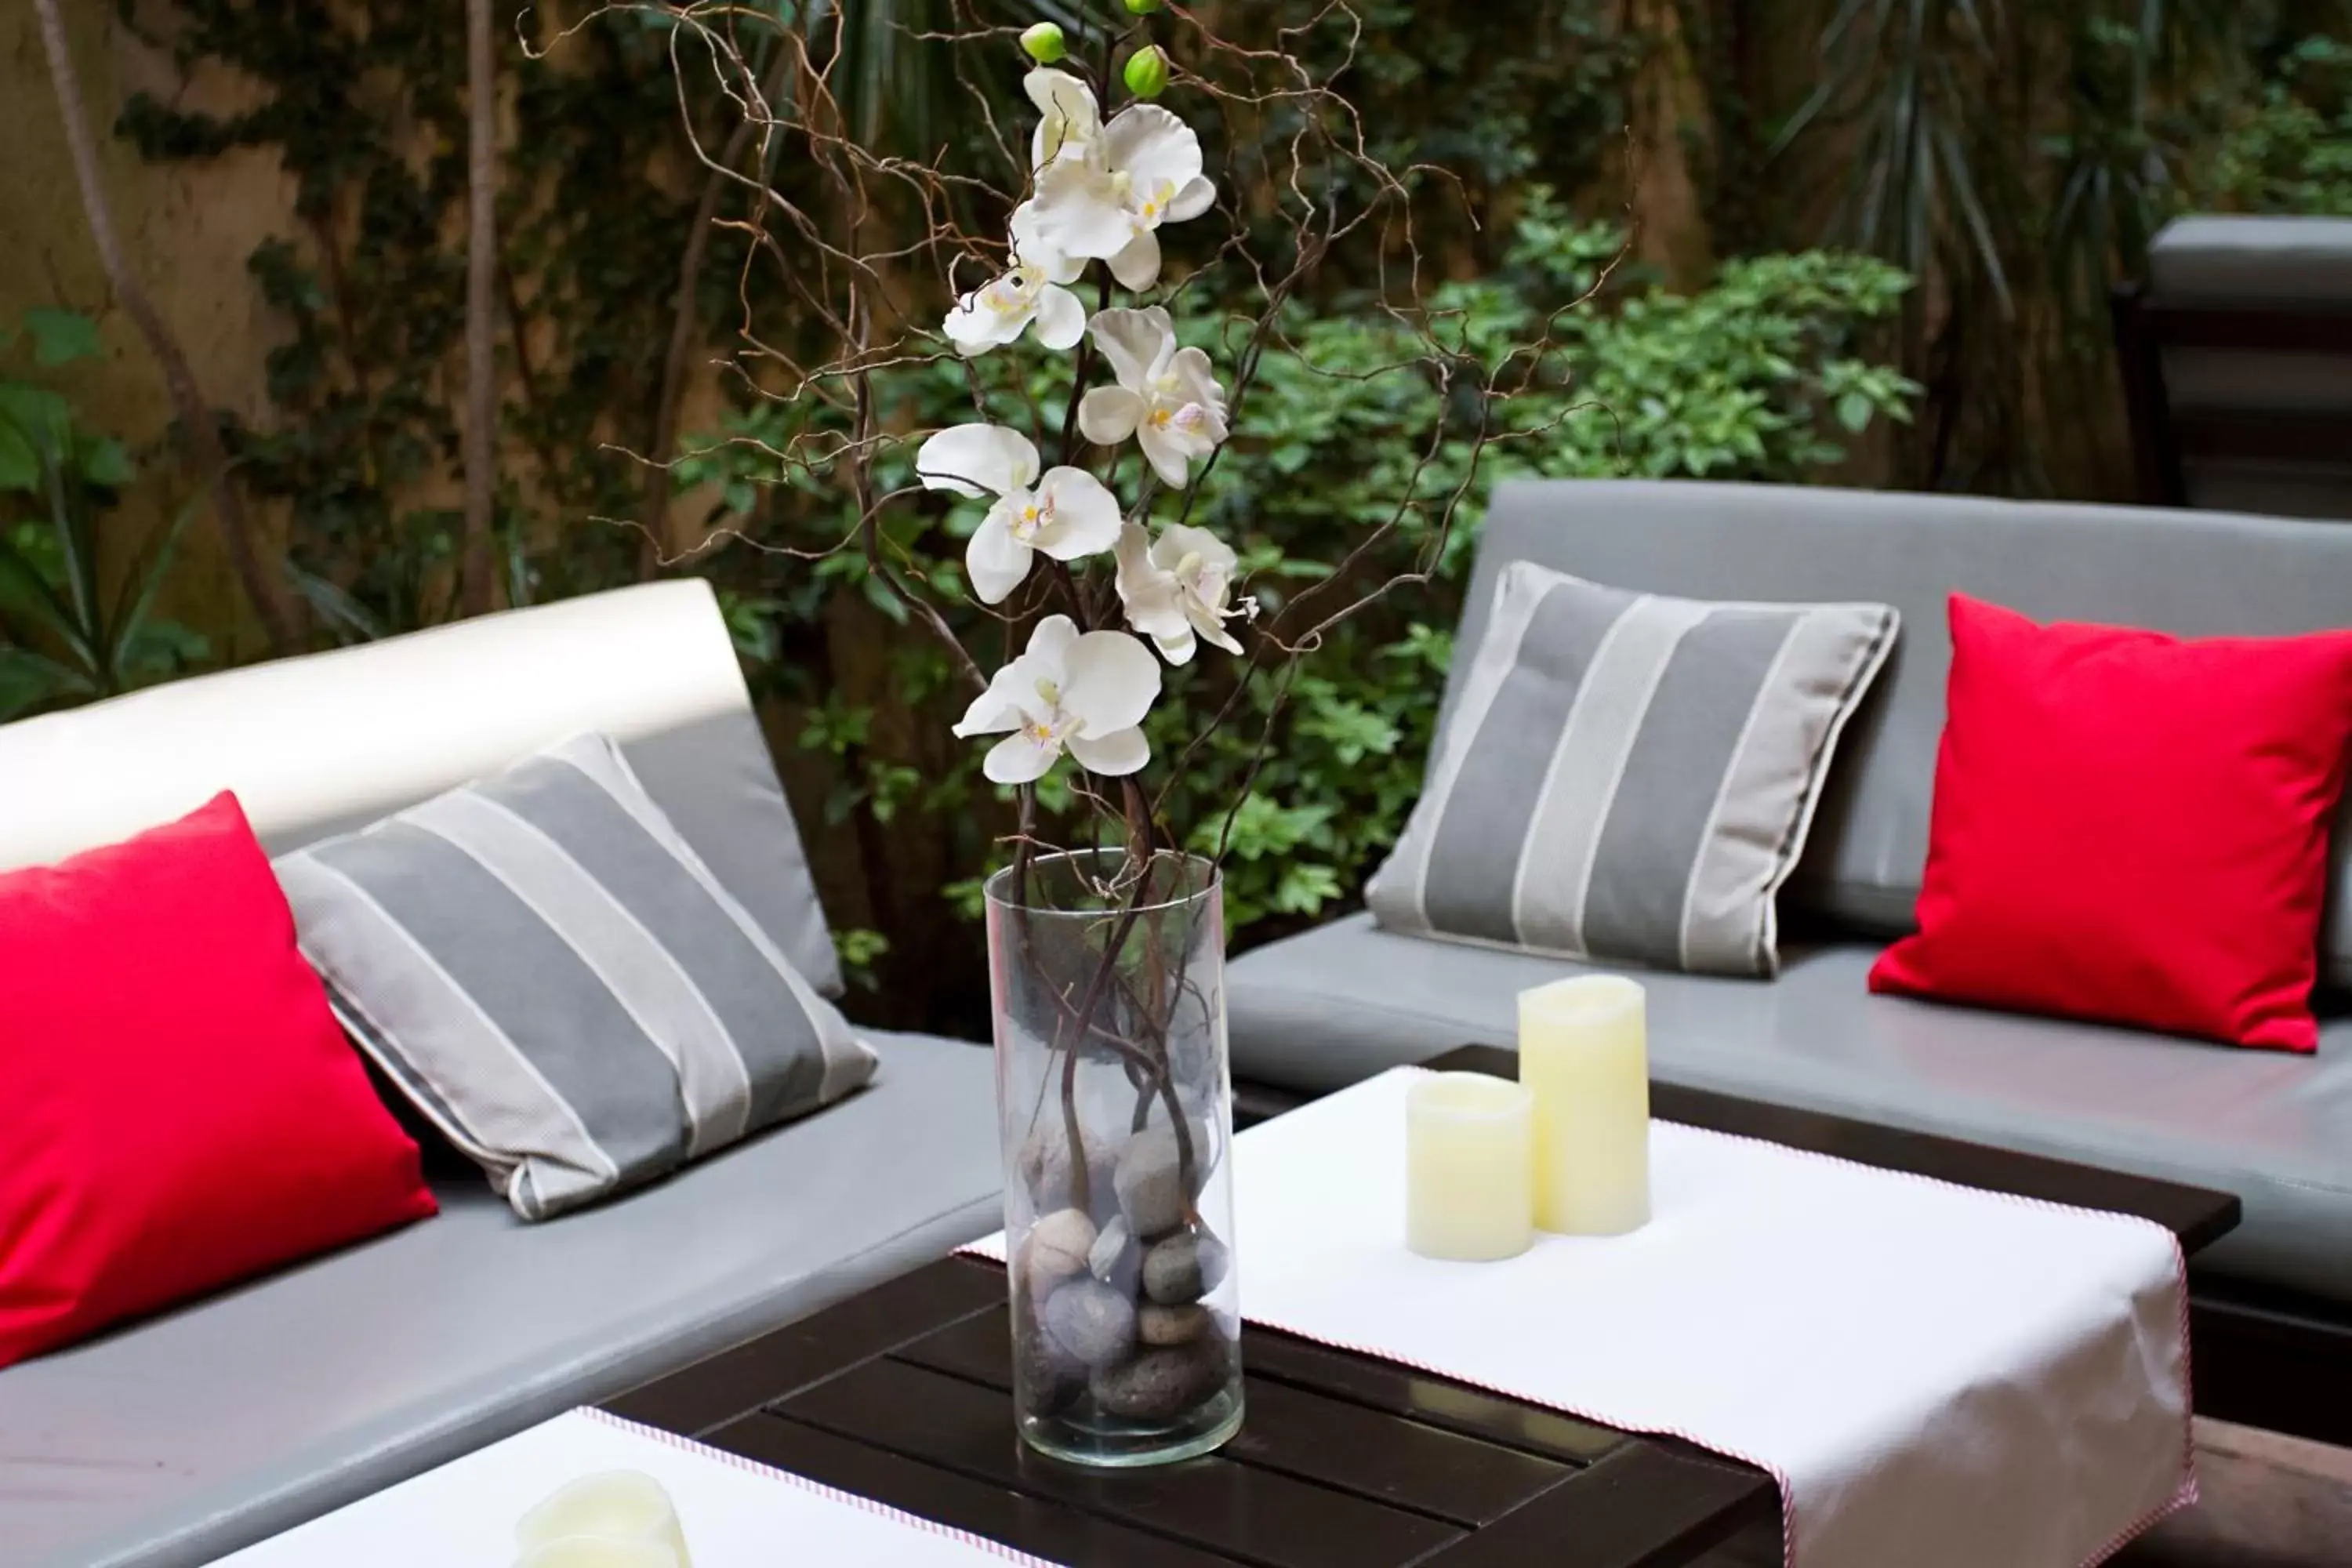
43, 419
1961, 184
60, 337
20, 463
349, 619
69, 519
30, 680
25, 591
145, 581
106, 462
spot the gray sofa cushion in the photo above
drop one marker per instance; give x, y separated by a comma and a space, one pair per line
1322, 1010
716, 781
196, 1433
2217, 257
560, 982
1632, 774
2193, 573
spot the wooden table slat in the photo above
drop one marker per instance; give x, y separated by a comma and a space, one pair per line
736, 1381
1252, 1515
1429, 1400
1645, 1506
1333, 1442
1036, 1525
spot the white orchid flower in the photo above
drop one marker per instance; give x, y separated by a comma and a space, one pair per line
1086, 694
1106, 199
1167, 397
1177, 589
1031, 293
1071, 119
1067, 514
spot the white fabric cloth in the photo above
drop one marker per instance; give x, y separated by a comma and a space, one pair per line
734, 1513
1938, 1377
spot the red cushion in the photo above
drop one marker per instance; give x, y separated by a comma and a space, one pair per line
177, 1106
2132, 828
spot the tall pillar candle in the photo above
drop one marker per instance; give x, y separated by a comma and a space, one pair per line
1584, 1057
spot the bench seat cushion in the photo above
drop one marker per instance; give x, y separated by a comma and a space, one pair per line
1336, 1004
196, 1433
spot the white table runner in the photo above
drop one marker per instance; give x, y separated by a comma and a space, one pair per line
1938, 1377
735, 1513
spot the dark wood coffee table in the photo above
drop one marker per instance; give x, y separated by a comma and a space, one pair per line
903, 1394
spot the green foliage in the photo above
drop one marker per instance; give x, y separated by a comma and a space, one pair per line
38, 425
1496, 94
2018, 160
364, 107
860, 950
64, 637
1760, 377
2292, 151
1756, 378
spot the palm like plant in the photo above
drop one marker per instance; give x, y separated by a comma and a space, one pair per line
2015, 158
63, 637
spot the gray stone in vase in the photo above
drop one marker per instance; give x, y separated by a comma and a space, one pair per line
1051, 1378
1090, 1322
1115, 1259
1158, 1325
1160, 1385
1183, 1268
1043, 1168
1055, 1249
1149, 1182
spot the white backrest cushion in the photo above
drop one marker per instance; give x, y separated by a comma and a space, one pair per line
327, 741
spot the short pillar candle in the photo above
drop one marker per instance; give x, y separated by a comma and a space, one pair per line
1469, 1167
1584, 1056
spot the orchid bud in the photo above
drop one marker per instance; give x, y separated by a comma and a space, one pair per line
1147, 72
1142, 8
1044, 43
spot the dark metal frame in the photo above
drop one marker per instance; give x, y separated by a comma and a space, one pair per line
2146, 326
2260, 1356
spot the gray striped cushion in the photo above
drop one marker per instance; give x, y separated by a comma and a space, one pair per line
543, 966
1630, 776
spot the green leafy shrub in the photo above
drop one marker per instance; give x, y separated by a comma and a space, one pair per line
2292, 151
64, 637
1761, 377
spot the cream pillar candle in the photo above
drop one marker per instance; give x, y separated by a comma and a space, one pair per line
614, 1519
1469, 1167
1584, 1054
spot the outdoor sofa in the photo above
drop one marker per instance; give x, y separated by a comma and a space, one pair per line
2273, 1300
181, 1437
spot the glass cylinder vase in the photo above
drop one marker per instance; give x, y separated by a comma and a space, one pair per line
1116, 1106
